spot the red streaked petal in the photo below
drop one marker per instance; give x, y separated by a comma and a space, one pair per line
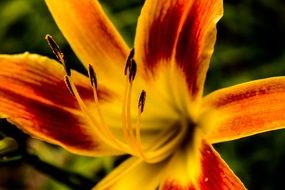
215, 174
157, 30
34, 97
92, 36
247, 109
133, 174
196, 42
181, 32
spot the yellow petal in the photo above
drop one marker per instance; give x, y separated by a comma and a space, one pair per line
215, 174
133, 174
34, 97
247, 109
180, 32
92, 37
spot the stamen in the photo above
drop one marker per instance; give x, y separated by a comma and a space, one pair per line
57, 52
68, 85
92, 76
130, 71
101, 129
133, 145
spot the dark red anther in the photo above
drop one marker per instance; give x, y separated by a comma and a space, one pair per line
142, 101
129, 60
92, 76
57, 52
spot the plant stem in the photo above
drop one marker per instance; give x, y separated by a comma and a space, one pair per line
72, 180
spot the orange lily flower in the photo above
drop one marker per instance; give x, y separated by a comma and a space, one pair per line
170, 133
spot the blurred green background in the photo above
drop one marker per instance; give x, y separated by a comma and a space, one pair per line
251, 45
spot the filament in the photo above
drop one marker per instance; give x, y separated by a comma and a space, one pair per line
104, 126
102, 131
126, 115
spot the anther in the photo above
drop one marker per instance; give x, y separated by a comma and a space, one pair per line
142, 101
54, 47
132, 53
68, 85
92, 76
129, 60
57, 52
133, 70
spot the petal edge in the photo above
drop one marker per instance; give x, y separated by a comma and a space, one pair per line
247, 109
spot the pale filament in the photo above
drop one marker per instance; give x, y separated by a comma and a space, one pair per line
138, 136
105, 136
105, 127
126, 115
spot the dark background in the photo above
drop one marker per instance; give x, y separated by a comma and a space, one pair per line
250, 45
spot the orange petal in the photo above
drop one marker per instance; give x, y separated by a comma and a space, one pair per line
215, 174
133, 174
248, 109
183, 31
34, 97
92, 37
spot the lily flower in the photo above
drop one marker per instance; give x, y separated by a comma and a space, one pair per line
146, 102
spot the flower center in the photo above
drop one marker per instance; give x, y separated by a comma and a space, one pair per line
164, 144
